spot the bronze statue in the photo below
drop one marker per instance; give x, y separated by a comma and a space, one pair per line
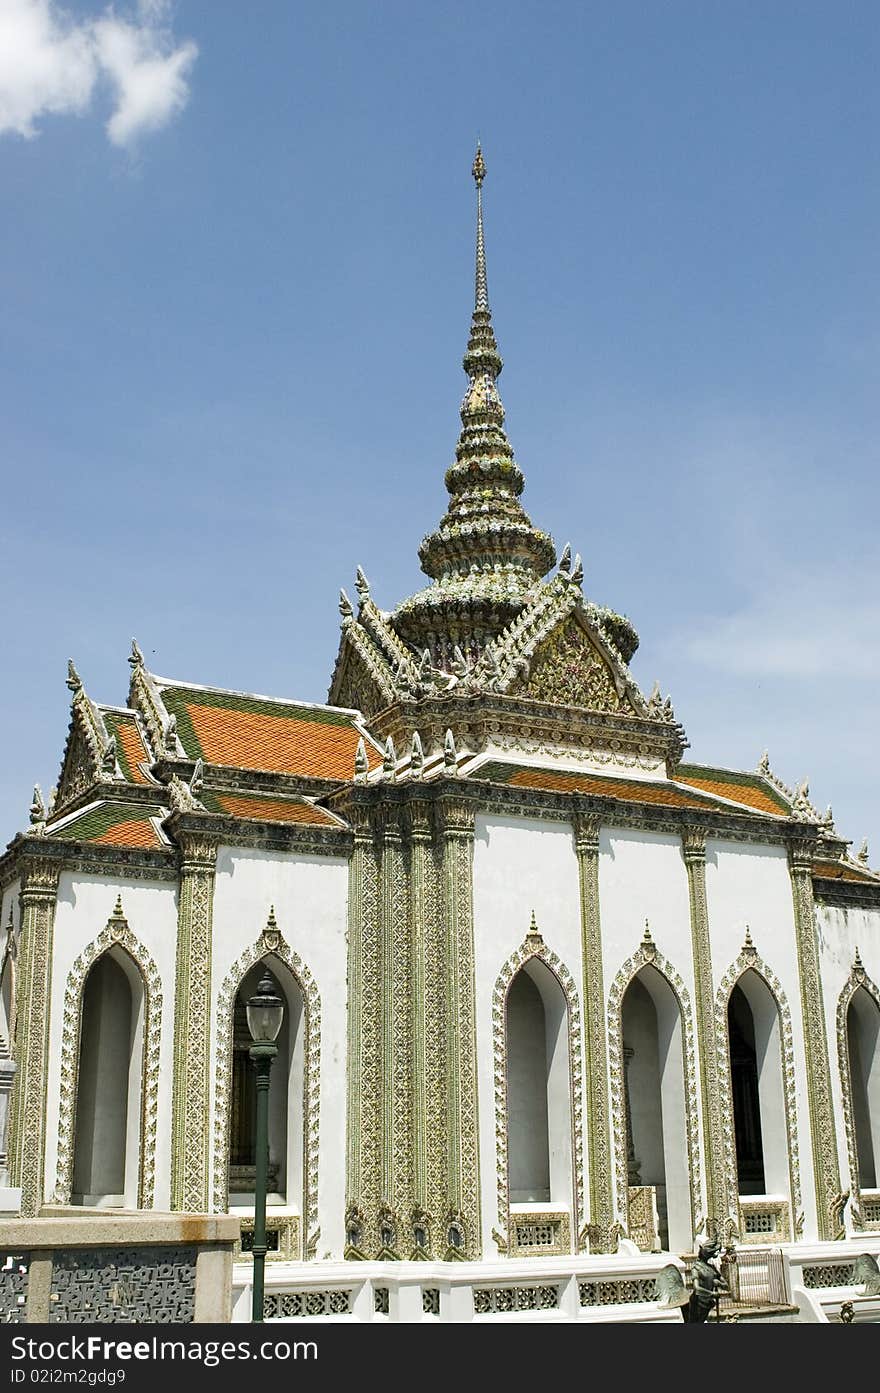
706, 1284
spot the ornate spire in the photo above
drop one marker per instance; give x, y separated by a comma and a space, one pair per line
485, 556
481, 292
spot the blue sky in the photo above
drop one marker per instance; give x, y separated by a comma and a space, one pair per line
236, 261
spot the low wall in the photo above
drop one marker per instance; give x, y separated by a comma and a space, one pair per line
93, 1267
618, 1287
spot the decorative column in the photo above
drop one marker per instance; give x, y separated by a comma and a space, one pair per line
7, 1062
428, 1035
720, 1185
462, 1220
599, 1229
192, 1025
364, 1040
830, 1200
396, 1037
39, 887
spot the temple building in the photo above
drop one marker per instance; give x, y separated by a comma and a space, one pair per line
548, 985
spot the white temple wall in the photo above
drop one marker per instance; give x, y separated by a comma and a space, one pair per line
841, 930
310, 895
520, 865
642, 876
85, 903
749, 887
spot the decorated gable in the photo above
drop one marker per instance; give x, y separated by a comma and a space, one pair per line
568, 669
79, 768
362, 681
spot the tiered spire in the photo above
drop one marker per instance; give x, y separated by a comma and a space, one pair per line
485, 556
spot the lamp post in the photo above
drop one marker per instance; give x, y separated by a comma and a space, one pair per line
265, 1012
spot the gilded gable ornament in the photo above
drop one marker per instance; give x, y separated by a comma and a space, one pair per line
568, 670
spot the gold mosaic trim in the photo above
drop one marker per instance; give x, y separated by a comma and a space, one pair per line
38, 895
749, 960
779, 1209
693, 846
192, 1029
355, 1033
116, 934
271, 943
600, 1232
647, 954
463, 1173
287, 1226
858, 977
553, 1219
364, 1136
533, 946
830, 1199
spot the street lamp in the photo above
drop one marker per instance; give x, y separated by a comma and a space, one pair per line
265, 1012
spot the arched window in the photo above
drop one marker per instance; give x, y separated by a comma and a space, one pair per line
759, 1111
539, 1132
654, 1092
286, 1103
862, 1031
107, 1130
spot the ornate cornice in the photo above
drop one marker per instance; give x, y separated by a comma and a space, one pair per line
218, 829
846, 893
481, 720
225, 778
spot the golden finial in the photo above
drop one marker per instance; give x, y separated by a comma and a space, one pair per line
534, 931
479, 167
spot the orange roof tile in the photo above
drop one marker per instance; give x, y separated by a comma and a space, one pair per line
633, 790
130, 747
752, 795
137, 834
112, 823
256, 733
272, 809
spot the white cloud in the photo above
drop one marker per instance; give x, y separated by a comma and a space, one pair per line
815, 623
150, 81
51, 65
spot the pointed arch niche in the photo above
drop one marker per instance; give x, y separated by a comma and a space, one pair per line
858, 1050
294, 1091
653, 1100
759, 1114
110, 1073
538, 1102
